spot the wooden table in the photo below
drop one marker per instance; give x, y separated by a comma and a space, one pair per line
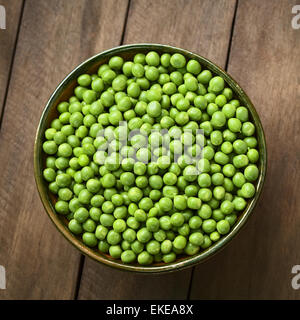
252, 39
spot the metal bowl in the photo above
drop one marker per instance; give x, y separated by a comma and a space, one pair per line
65, 90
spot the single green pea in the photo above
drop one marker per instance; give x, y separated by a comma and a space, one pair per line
196, 238
216, 84
190, 173
166, 246
219, 192
154, 109
253, 155
229, 170
251, 173
205, 211
191, 190
229, 135
89, 225
229, 110
165, 204
205, 194
191, 249
191, 83
227, 92
194, 203
242, 114
209, 225
223, 227
179, 242
218, 119
177, 60
103, 246
207, 127
53, 187
193, 66
116, 63
128, 256
62, 207
239, 179
221, 158
217, 179
227, 207
144, 235
159, 235
204, 180
248, 190
251, 142
204, 77
177, 219
216, 137
50, 147
151, 73
89, 239
144, 258
248, 129
180, 202
215, 236
75, 226
170, 257
239, 203
63, 180
152, 58
137, 247
115, 251
220, 100
49, 174
240, 146
153, 247
234, 125
240, 161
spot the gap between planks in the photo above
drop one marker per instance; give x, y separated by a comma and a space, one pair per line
82, 258
12, 63
226, 67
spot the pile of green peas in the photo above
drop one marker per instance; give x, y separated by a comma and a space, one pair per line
140, 211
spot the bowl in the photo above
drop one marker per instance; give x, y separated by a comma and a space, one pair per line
65, 90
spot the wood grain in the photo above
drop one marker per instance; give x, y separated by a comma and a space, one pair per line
265, 61
8, 37
200, 26
55, 36
186, 24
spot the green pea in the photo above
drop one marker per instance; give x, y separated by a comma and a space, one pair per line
177, 60
179, 242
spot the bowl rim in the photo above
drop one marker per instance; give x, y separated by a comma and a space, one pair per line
189, 261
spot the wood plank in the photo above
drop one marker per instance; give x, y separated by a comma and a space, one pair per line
8, 36
265, 61
55, 36
186, 24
